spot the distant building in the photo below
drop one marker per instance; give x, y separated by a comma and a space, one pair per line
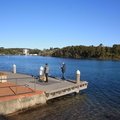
33, 54
25, 51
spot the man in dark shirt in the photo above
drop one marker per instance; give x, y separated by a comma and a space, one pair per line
46, 71
63, 69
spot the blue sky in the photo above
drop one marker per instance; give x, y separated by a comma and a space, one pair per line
58, 23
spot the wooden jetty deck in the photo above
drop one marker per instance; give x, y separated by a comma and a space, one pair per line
20, 91
54, 88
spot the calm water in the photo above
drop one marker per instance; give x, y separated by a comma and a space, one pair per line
101, 101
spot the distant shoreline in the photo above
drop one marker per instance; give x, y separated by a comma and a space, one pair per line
77, 52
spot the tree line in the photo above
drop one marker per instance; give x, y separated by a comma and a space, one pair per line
89, 52
19, 51
79, 52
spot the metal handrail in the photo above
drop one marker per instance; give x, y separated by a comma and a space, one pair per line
15, 84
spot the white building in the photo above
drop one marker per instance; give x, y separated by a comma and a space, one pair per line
25, 51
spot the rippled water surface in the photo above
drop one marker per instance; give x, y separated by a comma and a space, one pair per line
101, 101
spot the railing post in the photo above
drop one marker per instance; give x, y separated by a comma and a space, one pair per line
14, 68
78, 77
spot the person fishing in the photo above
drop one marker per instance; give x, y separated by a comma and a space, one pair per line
63, 70
46, 71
